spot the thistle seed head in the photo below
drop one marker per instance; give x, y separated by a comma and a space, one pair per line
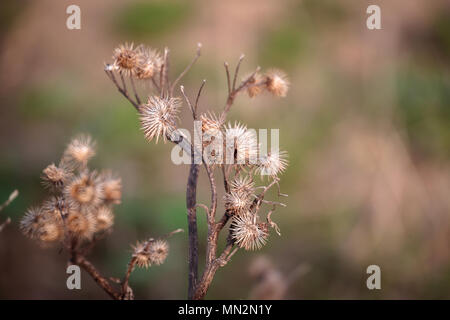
81, 224
79, 151
86, 190
158, 117
247, 233
149, 63
253, 90
272, 164
241, 144
236, 202
31, 222
243, 184
277, 83
104, 218
50, 231
126, 59
112, 188
158, 252
54, 178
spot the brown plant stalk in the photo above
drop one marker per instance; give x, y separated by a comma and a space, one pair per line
157, 119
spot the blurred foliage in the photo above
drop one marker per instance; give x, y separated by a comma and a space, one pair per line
9, 12
152, 18
424, 97
282, 47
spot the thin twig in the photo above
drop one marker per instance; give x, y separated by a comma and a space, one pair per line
198, 98
236, 72
138, 100
227, 70
95, 274
187, 101
121, 90
11, 198
186, 70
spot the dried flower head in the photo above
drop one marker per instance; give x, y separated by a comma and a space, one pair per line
79, 151
81, 224
141, 254
243, 184
277, 83
54, 178
104, 218
50, 231
126, 59
152, 252
149, 63
158, 117
32, 221
254, 89
112, 188
86, 190
211, 124
241, 144
247, 233
236, 201
158, 252
272, 164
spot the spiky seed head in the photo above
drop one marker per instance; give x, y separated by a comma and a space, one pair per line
79, 151
211, 124
50, 231
149, 63
152, 252
253, 90
158, 117
247, 233
30, 223
272, 164
86, 190
277, 83
243, 184
81, 224
125, 59
241, 144
112, 188
141, 254
158, 250
236, 202
104, 218
54, 178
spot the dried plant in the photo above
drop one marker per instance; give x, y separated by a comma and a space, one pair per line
159, 117
79, 212
11, 198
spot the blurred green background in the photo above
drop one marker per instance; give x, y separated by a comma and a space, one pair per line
366, 124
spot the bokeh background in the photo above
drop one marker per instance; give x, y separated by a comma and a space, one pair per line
366, 124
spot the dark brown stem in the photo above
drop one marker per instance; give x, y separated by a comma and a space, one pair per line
191, 198
198, 98
210, 270
123, 91
82, 262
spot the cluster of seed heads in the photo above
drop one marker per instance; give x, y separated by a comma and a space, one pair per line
222, 143
80, 202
